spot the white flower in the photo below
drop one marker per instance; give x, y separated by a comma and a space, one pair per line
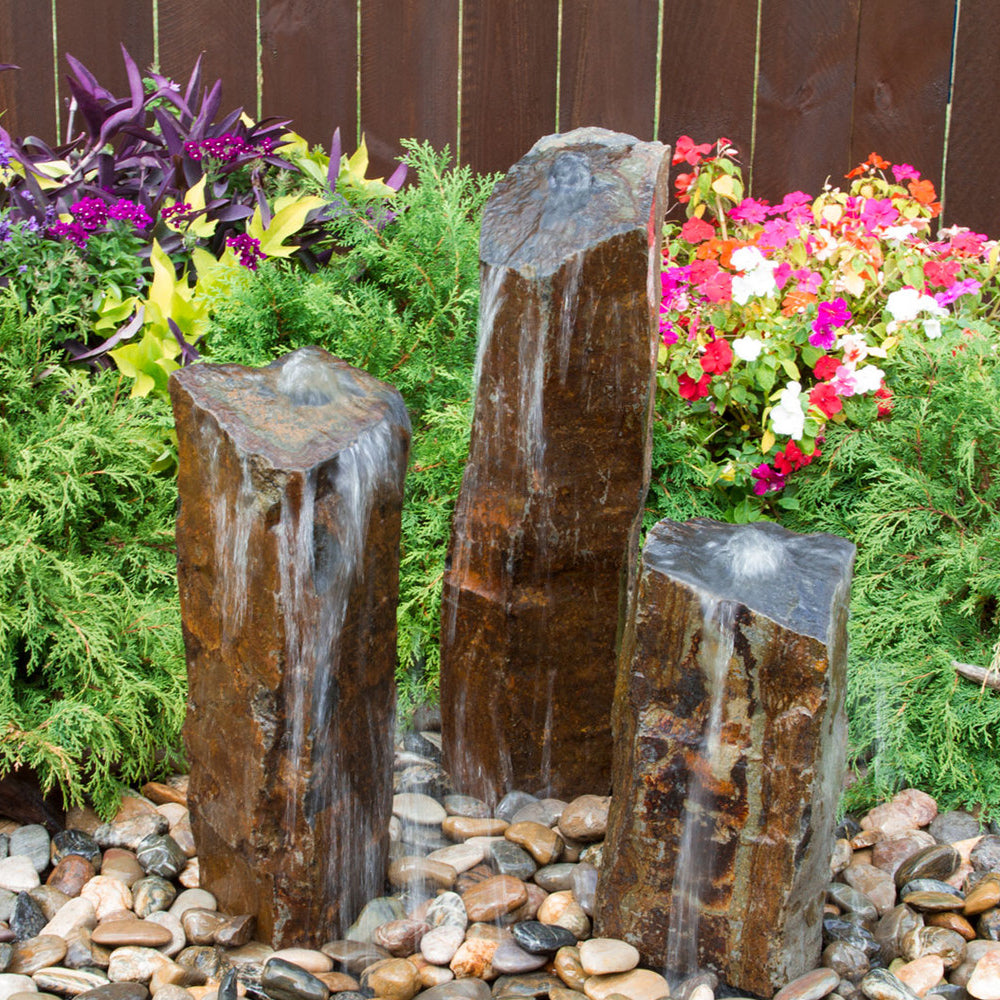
854, 347
747, 348
932, 327
788, 417
758, 276
900, 233
907, 303
867, 379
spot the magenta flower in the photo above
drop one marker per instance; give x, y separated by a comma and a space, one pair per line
768, 480
750, 210
795, 206
90, 213
248, 250
776, 234
878, 212
130, 211
904, 172
829, 316
71, 231
967, 287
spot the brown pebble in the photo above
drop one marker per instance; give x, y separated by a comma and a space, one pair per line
464, 827
953, 922
494, 897
159, 793
71, 874
117, 933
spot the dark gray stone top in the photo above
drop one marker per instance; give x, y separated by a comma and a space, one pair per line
796, 580
297, 411
568, 193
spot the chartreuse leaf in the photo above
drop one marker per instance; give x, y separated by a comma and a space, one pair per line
288, 218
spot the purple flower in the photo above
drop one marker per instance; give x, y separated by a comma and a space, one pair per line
130, 211
830, 316
4, 155
967, 287
72, 231
4, 229
248, 249
90, 213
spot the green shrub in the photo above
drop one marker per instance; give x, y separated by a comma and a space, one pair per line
92, 684
401, 303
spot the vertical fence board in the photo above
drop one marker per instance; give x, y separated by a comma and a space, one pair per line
409, 76
804, 95
508, 79
94, 33
901, 96
707, 71
226, 32
972, 194
309, 60
27, 95
608, 69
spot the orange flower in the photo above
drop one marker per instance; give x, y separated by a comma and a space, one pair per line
874, 162
796, 301
923, 191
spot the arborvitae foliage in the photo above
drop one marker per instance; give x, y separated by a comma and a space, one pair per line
400, 303
91, 661
919, 494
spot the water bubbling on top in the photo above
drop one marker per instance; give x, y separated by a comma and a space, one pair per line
751, 555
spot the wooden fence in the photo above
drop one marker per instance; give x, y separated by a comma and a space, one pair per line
805, 88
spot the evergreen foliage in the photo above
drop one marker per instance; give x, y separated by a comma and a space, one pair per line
919, 494
400, 303
92, 685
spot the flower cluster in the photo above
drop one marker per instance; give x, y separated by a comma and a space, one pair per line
227, 147
775, 317
90, 215
247, 250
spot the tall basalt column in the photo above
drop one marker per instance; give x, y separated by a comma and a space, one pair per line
546, 528
730, 738
291, 481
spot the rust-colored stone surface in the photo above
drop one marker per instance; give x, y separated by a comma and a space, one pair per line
740, 632
290, 483
546, 527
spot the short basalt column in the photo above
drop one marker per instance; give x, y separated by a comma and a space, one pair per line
729, 750
291, 481
546, 527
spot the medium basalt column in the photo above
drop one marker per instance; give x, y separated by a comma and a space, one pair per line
729, 750
545, 531
291, 481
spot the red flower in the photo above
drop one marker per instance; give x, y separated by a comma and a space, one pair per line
682, 185
689, 389
687, 152
793, 458
696, 230
825, 398
942, 273
718, 357
885, 401
826, 367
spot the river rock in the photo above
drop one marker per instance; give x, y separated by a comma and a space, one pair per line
71, 874
413, 807
880, 984
82, 953
413, 870
604, 956
11, 984
847, 961
767, 802
269, 460
460, 989
108, 895
954, 825
27, 918
439, 944
118, 991
401, 937
985, 856
191, 898
461, 857
393, 979
510, 959
37, 953
509, 859
542, 939
115, 933
70, 842
921, 974
447, 909
473, 958
31, 841
77, 912
544, 811
934, 941
562, 909
546, 526
353, 956
639, 984
18, 874
286, 980
540, 841
584, 886
585, 818
889, 854
122, 864
937, 862
984, 983
812, 986
161, 855
569, 968
137, 965
494, 897
70, 982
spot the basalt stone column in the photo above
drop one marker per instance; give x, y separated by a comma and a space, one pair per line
546, 527
729, 750
290, 481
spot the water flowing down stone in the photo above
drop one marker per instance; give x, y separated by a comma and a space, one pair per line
546, 530
730, 738
290, 480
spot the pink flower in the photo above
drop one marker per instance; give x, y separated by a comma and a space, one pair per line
807, 281
776, 234
878, 213
843, 381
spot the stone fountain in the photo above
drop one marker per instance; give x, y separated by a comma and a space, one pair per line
730, 737
547, 524
290, 481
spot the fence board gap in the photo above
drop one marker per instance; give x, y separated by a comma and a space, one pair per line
308, 66
408, 90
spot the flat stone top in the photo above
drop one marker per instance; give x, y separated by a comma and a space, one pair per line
297, 411
569, 193
795, 580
